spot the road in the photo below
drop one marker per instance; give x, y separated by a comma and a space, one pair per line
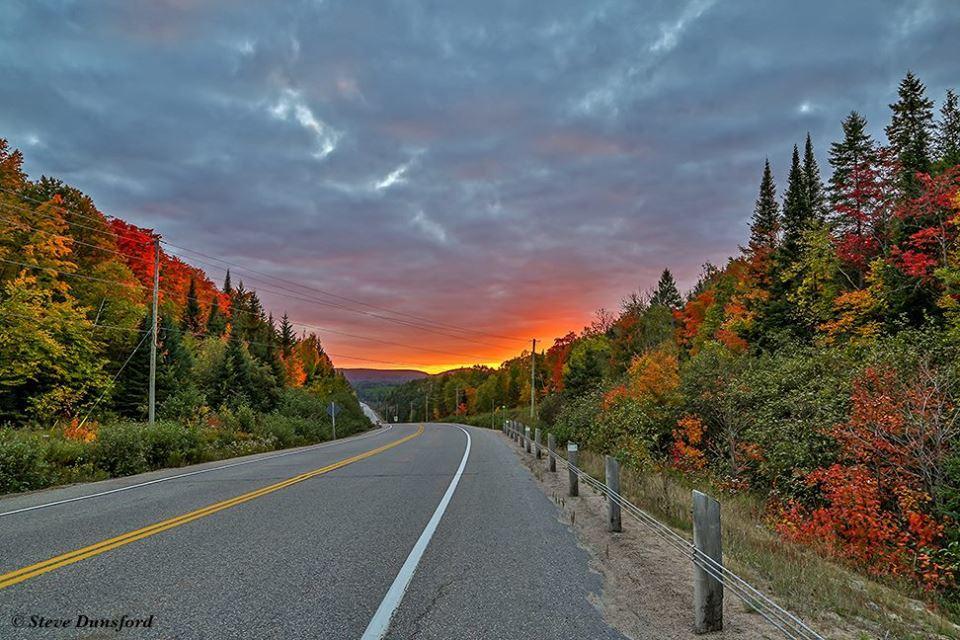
401, 532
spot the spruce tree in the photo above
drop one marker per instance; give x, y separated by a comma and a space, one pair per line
796, 212
910, 133
765, 224
192, 321
216, 322
287, 336
948, 131
816, 202
666, 293
227, 287
856, 150
130, 397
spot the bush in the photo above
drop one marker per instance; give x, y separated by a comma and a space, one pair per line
169, 444
120, 449
22, 462
186, 405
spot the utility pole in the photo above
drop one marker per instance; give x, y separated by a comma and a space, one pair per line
152, 403
333, 417
411, 411
533, 382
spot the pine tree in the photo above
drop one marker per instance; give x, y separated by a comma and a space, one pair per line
216, 322
816, 202
910, 133
666, 293
192, 321
948, 131
847, 156
765, 224
796, 212
227, 287
287, 336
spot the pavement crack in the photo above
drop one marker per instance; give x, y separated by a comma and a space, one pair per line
441, 590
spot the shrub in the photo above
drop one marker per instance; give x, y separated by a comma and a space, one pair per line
22, 462
169, 444
120, 449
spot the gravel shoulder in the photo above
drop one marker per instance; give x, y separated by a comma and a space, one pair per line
647, 588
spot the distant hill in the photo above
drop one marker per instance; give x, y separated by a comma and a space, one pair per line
372, 384
381, 376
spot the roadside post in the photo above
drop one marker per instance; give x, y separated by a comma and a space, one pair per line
572, 479
707, 590
614, 523
526, 439
536, 443
333, 417
551, 453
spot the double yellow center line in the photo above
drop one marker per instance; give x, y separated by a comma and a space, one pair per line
34, 570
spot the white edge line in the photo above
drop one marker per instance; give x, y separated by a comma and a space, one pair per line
193, 473
380, 623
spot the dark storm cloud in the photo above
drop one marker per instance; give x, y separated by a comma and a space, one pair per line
507, 166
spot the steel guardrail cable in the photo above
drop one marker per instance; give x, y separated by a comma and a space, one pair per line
784, 621
771, 611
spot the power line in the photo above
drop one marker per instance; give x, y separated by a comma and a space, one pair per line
18, 223
299, 295
248, 342
119, 371
325, 303
419, 324
346, 298
245, 312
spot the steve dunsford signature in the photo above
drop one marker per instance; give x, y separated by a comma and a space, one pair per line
82, 621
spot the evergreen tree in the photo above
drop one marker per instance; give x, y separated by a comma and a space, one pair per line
216, 321
910, 133
192, 321
666, 293
227, 287
816, 204
287, 336
796, 211
948, 131
848, 156
235, 386
765, 224
173, 368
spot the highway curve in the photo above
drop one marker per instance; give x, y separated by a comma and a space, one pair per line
400, 531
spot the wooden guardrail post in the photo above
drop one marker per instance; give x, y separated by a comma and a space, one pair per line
612, 468
707, 590
572, 478
536, 443
526, 439
551, 452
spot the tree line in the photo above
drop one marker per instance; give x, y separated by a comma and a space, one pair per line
818, 368
75, 326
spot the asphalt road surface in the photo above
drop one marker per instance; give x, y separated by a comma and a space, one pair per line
408, 531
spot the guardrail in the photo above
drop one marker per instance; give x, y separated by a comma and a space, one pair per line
711, 578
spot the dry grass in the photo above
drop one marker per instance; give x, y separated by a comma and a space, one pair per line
836, 601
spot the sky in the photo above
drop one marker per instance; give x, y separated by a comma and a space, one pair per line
503, 168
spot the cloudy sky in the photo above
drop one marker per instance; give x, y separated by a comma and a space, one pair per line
503, 166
